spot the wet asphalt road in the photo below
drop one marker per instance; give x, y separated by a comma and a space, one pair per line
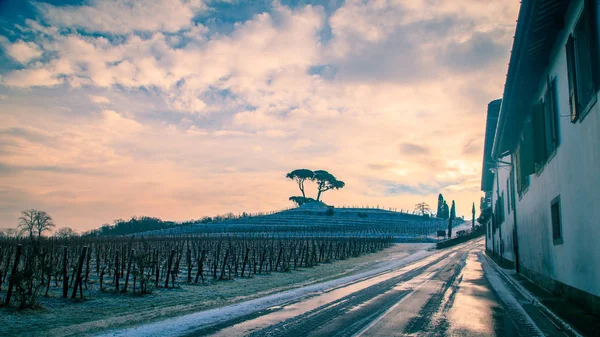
445, 294
452, 292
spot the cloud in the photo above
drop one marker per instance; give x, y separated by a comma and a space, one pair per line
124, 16
476, 53
272, 133
413, 149
381, 166
302, 143
229, 133
26, 78
420, 189
366, 90
473, 185
474, 145
99, 99
22, 51
113, 121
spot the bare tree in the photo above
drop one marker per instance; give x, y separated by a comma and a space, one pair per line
11, 232
43, 223
33, 221
422, 208
65, 232
27, 221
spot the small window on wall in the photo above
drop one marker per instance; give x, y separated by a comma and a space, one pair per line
556, 216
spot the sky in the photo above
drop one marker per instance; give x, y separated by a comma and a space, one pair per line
185, 108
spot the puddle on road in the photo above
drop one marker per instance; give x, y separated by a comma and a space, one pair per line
473, 310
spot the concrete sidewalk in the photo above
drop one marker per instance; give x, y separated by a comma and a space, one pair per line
568, 317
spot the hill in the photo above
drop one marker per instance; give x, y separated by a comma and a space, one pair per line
318, 219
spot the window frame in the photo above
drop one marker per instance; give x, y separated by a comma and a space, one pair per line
508, 195
545, 119
556, 203
574, 63
552, 117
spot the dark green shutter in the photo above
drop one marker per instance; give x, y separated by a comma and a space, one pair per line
572, 77
539, 133
527, 150
554, 117
592, 7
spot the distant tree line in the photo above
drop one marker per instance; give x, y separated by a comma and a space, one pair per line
147, 223
133, 225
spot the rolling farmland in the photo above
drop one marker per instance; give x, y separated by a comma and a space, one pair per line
345, 222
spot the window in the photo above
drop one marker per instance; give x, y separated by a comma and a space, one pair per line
581, 51
499, 211
556, 216
508, 192
539, 135
511, 190
551, 114
524, 158
502, 215
544, 120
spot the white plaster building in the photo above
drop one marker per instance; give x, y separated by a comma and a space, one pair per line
541, 165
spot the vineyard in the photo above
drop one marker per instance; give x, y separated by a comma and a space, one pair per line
77, 267
343, 222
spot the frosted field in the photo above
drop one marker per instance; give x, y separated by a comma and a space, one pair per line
110, 311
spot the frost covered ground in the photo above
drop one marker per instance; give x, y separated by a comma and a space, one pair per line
105, 312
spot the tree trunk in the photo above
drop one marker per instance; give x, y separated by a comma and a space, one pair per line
224, 264
245, 261
65, 277
117, 270
11, 281
169, 268
128, 270
78, 275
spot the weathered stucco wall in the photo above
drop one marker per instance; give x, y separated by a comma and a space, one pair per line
574, 174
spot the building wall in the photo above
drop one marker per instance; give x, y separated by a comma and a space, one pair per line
574, 174
502, 244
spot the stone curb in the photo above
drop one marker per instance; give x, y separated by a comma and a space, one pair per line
534, 300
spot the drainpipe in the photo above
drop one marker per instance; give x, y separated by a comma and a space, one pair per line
498, 198
513, 199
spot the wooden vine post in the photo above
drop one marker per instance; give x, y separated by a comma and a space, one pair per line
11, 281
169, 268
128, 270
78, 280
65, 274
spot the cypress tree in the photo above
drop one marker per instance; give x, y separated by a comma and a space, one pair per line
451, 217
440, 206
473, 221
